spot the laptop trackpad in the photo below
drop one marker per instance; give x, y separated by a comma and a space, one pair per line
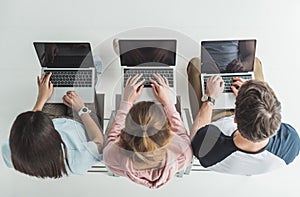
148, 95
225, 101
87, 95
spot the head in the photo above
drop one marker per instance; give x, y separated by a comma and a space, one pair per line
257, 111
146, 132
36, 147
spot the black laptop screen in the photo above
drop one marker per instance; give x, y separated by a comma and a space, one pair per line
64, 55
227, 56
147, 52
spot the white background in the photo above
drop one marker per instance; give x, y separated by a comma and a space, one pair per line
275, 25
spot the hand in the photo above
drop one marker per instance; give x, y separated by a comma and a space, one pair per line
214, 86
235, 66
238, 82
73, 100
45, 87
161, 89
133, 88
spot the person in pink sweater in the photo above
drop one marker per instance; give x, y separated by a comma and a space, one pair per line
147, 141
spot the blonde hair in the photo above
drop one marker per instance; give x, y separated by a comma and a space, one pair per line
146, 132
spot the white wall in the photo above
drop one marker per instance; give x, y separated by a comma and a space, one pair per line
275, 25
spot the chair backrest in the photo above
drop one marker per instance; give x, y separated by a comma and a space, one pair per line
258, 71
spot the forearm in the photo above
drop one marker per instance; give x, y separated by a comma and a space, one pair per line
38, 105
119, 121
203, 118
93, 131
175, 120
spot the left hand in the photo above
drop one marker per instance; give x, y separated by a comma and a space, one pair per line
133, 88
45, 88
73, 100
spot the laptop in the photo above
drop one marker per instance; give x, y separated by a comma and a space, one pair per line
227, 58
148, 57
72, 68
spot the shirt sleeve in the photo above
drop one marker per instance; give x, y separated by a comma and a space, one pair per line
92, 148
176, 122
6, 154
119, 122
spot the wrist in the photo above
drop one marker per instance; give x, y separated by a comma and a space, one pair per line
206, 98
166, 103
83, 110
77, 109
126, 101
38, 105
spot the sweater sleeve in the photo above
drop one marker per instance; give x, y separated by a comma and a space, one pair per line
176, 123
183, 151
119, 122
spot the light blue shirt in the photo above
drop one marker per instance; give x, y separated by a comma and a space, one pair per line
82, 154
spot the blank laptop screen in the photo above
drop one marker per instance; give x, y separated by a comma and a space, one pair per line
147, 52
227, 56
64, 55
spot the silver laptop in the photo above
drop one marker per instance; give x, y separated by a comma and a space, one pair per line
229, 59
148, 57
72, 68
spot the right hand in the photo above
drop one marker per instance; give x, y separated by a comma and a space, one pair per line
238, 82
214, 86
45, 87
161, 89
133, 88
73, 100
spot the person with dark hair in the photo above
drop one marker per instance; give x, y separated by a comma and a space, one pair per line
147, 141
51, 141
253, 141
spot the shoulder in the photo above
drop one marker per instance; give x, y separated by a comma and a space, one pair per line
207, 144
285, 144
179, 148
71, 132
82, 154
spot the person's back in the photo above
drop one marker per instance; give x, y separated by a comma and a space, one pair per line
254, 141
147, 142
46, 142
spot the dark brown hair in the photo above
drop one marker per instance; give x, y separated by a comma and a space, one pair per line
257, 111
147, 129
36, 147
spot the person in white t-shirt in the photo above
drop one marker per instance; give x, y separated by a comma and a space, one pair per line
253, 141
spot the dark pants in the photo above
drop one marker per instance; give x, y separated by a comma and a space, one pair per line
58, 110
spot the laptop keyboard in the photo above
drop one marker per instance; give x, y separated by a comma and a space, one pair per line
228, 80
71, 78
148, 73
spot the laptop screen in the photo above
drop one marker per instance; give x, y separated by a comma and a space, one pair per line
64, 55
227, 56
147, 52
